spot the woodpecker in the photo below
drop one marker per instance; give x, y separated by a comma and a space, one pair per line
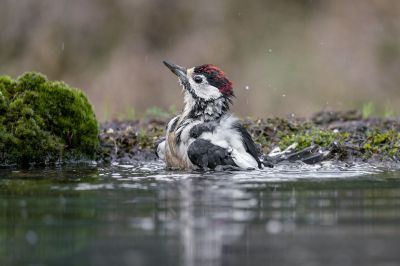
206, 135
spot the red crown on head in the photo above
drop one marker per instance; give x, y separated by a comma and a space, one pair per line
216, 77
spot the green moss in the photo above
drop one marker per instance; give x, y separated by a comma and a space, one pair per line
304, 139
146, 137
268, 132
385, 143
44, 121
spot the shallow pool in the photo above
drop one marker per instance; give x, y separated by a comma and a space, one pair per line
144, 215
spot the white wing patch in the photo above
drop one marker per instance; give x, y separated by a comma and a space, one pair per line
227, 137
161, 150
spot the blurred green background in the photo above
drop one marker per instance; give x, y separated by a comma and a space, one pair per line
284, 56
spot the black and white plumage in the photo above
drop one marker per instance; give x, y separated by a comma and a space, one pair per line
206, 135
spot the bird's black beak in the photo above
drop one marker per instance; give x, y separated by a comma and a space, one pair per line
181, 72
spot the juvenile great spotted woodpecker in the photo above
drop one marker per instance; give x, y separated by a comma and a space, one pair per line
206, 135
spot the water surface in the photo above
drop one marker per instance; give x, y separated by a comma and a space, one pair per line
145, 215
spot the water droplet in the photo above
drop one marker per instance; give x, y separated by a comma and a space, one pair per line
283, 95
247, 88
269, 50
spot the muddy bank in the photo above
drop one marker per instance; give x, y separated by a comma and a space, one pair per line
129, 142
346, 135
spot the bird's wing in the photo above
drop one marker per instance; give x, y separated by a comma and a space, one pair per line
160, 148
204, 154
248, 143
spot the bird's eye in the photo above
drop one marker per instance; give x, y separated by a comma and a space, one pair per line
198, 79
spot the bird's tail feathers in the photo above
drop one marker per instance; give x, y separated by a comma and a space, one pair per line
311, 155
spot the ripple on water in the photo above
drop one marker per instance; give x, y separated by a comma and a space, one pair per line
153, 174
282, 172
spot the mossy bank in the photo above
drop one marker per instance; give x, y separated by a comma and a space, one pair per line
42, 122
346, 135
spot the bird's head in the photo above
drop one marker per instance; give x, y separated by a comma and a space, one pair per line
207, 82
206, 85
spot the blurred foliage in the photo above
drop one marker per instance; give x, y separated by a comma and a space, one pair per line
294, 56
389, 111
151, 112
368, 109
156, 112
43, 121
